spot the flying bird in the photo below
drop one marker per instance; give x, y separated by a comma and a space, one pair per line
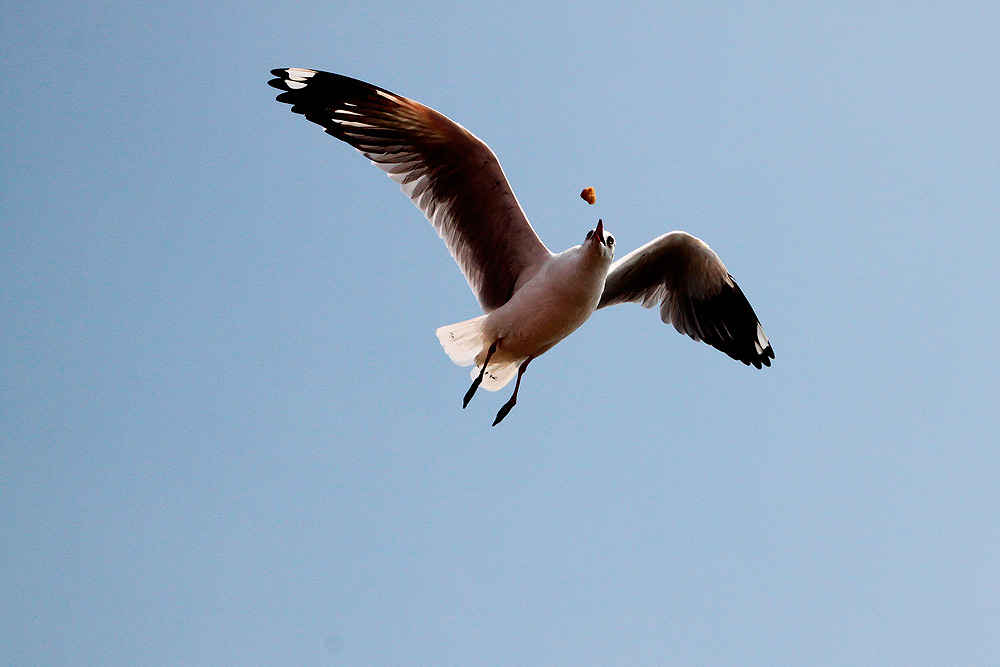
532, 298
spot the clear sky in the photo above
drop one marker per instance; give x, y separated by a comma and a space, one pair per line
229, 436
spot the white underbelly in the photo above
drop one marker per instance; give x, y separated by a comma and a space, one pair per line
535, 320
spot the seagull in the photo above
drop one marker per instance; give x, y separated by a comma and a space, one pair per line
531, 297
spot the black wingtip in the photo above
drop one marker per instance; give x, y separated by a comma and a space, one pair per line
727, 322
762, 359
281, 80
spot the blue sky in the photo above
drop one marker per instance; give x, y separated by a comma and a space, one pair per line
228, 434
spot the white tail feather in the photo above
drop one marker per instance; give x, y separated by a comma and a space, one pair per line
464, 341
498, 374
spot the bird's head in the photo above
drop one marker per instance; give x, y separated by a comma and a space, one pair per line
601, 241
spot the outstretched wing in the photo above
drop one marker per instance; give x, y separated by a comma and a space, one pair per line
695, 293
451, 175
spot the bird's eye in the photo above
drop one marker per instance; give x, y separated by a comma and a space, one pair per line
611, 241
589, 234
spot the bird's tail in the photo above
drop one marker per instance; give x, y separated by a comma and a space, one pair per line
464, 341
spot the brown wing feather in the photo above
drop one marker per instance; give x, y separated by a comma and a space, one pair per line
450, 174
695, 293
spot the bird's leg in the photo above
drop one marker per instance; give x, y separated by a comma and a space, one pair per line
513, 398
479, 380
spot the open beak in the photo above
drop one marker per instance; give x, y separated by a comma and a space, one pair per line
599, 232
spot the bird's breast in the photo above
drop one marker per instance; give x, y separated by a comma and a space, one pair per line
549, 307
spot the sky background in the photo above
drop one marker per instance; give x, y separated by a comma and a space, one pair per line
229, 436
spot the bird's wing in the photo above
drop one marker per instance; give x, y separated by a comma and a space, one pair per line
695, 293
450, 174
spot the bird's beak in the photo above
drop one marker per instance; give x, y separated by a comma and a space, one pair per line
599, 232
